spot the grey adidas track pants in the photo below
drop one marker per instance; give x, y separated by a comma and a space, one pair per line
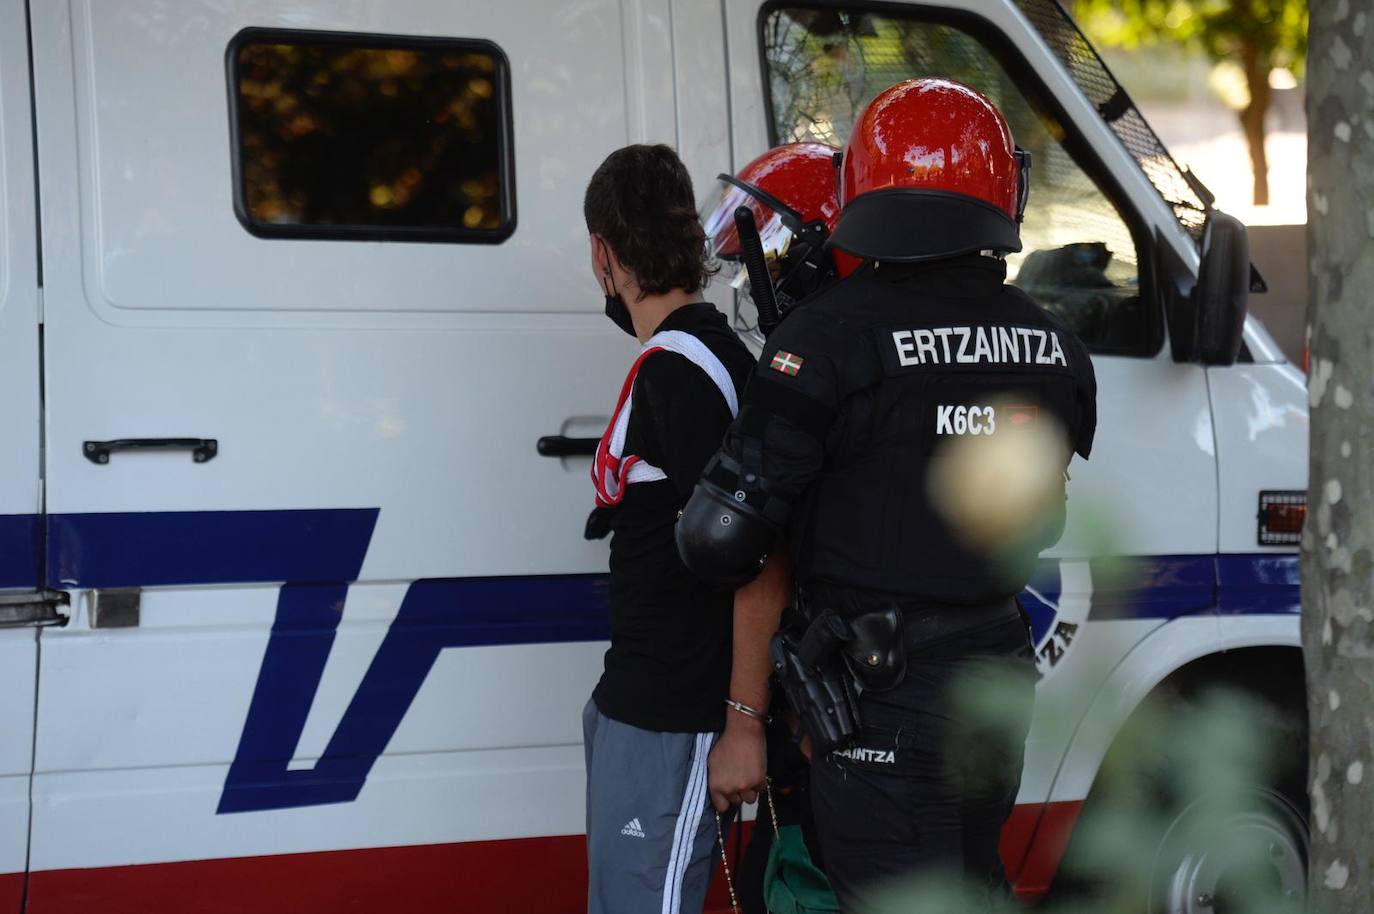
651, 832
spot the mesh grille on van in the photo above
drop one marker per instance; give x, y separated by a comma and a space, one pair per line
1091, 75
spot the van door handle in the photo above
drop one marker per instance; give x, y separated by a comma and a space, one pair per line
202, 449
563, 446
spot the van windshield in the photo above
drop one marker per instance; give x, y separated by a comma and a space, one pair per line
1078, 257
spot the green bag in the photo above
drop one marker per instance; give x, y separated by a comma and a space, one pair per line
792, 884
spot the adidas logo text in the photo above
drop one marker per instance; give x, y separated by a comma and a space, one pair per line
633, 829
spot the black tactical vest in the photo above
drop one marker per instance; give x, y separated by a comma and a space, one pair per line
861, 387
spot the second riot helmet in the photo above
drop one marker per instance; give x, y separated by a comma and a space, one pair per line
790, 190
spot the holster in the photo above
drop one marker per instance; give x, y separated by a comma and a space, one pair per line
826, 660
876, 649
817, 684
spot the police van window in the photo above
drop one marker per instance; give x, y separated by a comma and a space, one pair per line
1078, 257
371, 137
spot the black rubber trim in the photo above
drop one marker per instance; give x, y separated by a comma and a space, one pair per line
910, 225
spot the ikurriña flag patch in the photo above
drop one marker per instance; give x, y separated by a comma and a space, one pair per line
786, 362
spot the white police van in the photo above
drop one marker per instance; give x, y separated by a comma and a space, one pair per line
299, 618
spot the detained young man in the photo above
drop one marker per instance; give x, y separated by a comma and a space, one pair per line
662, 744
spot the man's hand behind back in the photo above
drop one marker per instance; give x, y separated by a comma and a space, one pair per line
738, 765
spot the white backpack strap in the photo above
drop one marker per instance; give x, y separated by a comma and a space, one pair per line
622, 425
696, 352
700, 355
644, 472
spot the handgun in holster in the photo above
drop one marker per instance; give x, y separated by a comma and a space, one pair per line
825, 668
816, 682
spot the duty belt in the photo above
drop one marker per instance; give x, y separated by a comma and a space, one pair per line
923, 621
925, 624
852, 643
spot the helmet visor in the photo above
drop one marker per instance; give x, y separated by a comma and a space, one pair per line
722, 235
723, 245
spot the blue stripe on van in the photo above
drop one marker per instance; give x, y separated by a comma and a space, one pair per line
316, 553
1170, 586
207, 547
1153, 587
19, 550
1265, 583
434, 615
328, 546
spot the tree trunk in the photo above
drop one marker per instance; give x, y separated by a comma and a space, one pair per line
1252, 119
1338, 542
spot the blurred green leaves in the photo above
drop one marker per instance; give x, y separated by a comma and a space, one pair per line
1256, 37
1277, 29
1184, 816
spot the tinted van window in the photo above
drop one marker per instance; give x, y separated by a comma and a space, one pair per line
371, 137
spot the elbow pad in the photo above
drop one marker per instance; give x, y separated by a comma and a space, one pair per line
731, 522
723, 539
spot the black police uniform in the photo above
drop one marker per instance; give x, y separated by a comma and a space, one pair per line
854, 393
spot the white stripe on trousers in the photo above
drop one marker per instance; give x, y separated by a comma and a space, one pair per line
684, 835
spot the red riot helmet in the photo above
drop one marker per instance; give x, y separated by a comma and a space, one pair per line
931, 171
791, 191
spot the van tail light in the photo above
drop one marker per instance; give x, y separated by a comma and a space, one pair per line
1281, 515
1306, 358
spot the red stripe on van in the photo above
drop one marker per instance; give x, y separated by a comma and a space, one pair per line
534, 875
528, 874
11, 892
1016, 837
1045, 846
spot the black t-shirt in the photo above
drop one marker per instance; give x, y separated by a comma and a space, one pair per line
668, 667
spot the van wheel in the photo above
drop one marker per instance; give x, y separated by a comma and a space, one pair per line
1199, 808
1250, 856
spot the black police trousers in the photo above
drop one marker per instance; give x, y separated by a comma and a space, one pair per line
923, 791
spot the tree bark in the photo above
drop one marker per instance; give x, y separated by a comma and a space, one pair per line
1252, 119
1338, 542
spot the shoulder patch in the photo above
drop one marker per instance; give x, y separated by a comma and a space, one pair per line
786, 362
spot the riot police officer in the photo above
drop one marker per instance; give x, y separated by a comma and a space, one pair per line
790, 191
874, 401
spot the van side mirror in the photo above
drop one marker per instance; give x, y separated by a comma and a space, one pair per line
1222, 293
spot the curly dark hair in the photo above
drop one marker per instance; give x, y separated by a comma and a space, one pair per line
640, 200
